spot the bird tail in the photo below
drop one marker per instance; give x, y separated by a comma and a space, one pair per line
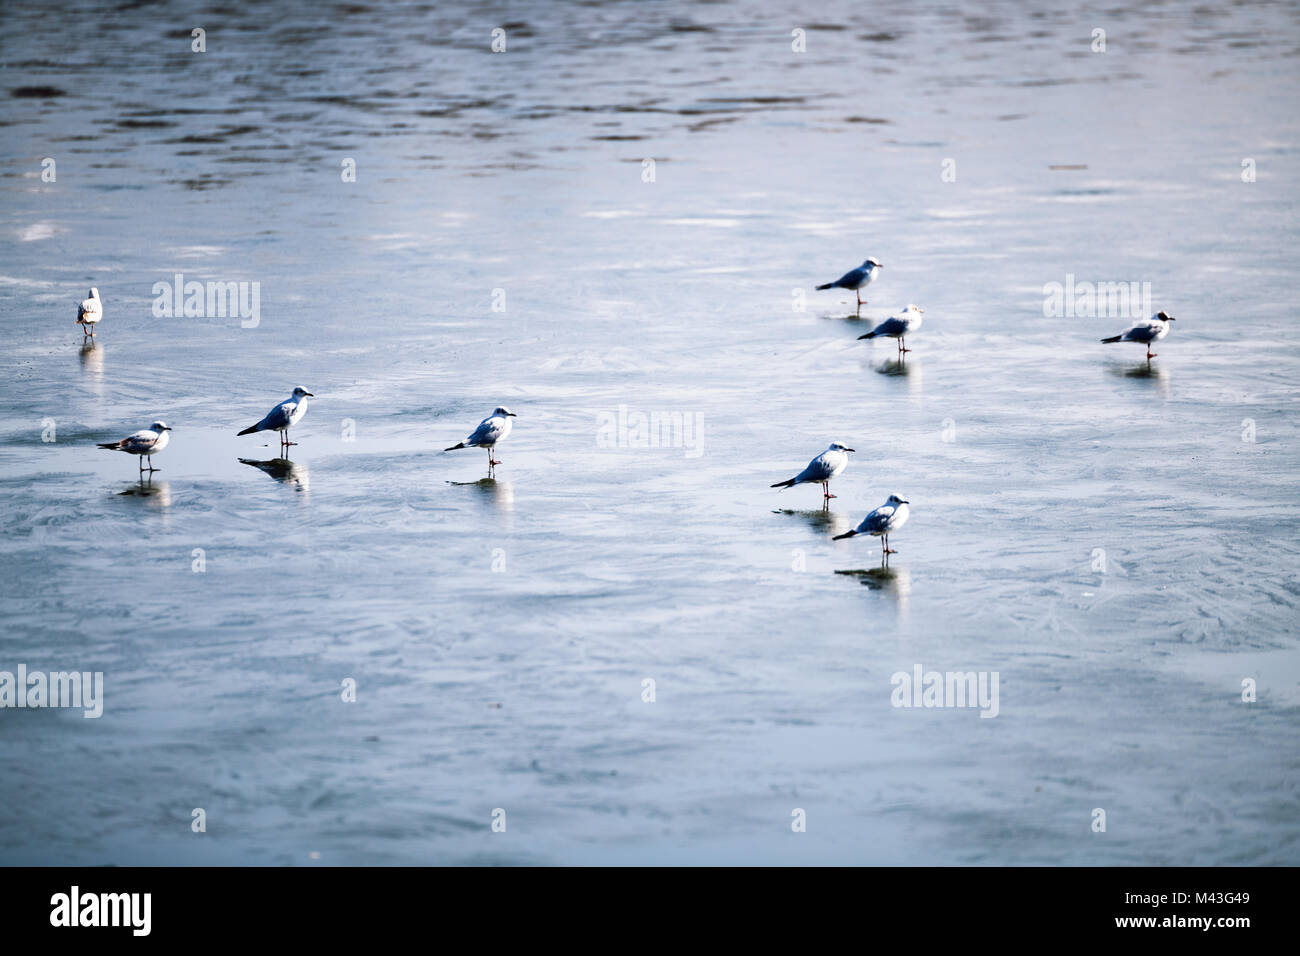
248, 431
784, 484
1113, 338
111, 444
454, 447
846, 534
826, 286
869, 335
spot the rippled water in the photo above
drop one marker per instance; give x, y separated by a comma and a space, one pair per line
499, 632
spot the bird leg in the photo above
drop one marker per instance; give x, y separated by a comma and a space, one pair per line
151, 467
902, 344
887, 548
1150, 355
826, 490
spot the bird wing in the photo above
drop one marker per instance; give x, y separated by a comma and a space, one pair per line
891, 326
488, 431
852, 277
819, 469
1142, 333
139, 443
278, 417
878, 520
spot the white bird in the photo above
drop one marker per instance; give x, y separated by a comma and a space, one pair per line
898, 326
1152, 330
89, 312
146, 443
857, 279
285, 415
882, 522
490, 430
822, 469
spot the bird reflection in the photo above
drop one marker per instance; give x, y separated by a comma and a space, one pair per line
824, 521
896, 582
91, 356
1158, 375
283, 470
853, 319
499, 493
158, 492
900, 367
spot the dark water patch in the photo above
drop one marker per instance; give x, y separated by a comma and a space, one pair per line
36, 92
881, 37
707, 124
143, 124
865, 119
216, 137
204, 182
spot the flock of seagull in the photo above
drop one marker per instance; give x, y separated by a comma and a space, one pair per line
893, 514
881, 522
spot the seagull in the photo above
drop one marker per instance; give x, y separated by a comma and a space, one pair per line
89, 312
897, 326
288, 413
856, 279
1152, 330
490, 430
822, 469
889, 517
146, 443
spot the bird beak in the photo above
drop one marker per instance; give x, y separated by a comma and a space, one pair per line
850, 449
907, 502
309, 394
512, 414
167, 429
1169, 318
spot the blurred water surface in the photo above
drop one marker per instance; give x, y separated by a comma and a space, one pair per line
499, 631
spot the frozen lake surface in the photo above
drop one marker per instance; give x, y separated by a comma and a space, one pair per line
1104, 536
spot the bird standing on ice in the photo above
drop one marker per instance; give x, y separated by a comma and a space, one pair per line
279, 419
490, 430
89, 312
1152, 330
822, 469
855, 280
146, 443
885, 520
897, 326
